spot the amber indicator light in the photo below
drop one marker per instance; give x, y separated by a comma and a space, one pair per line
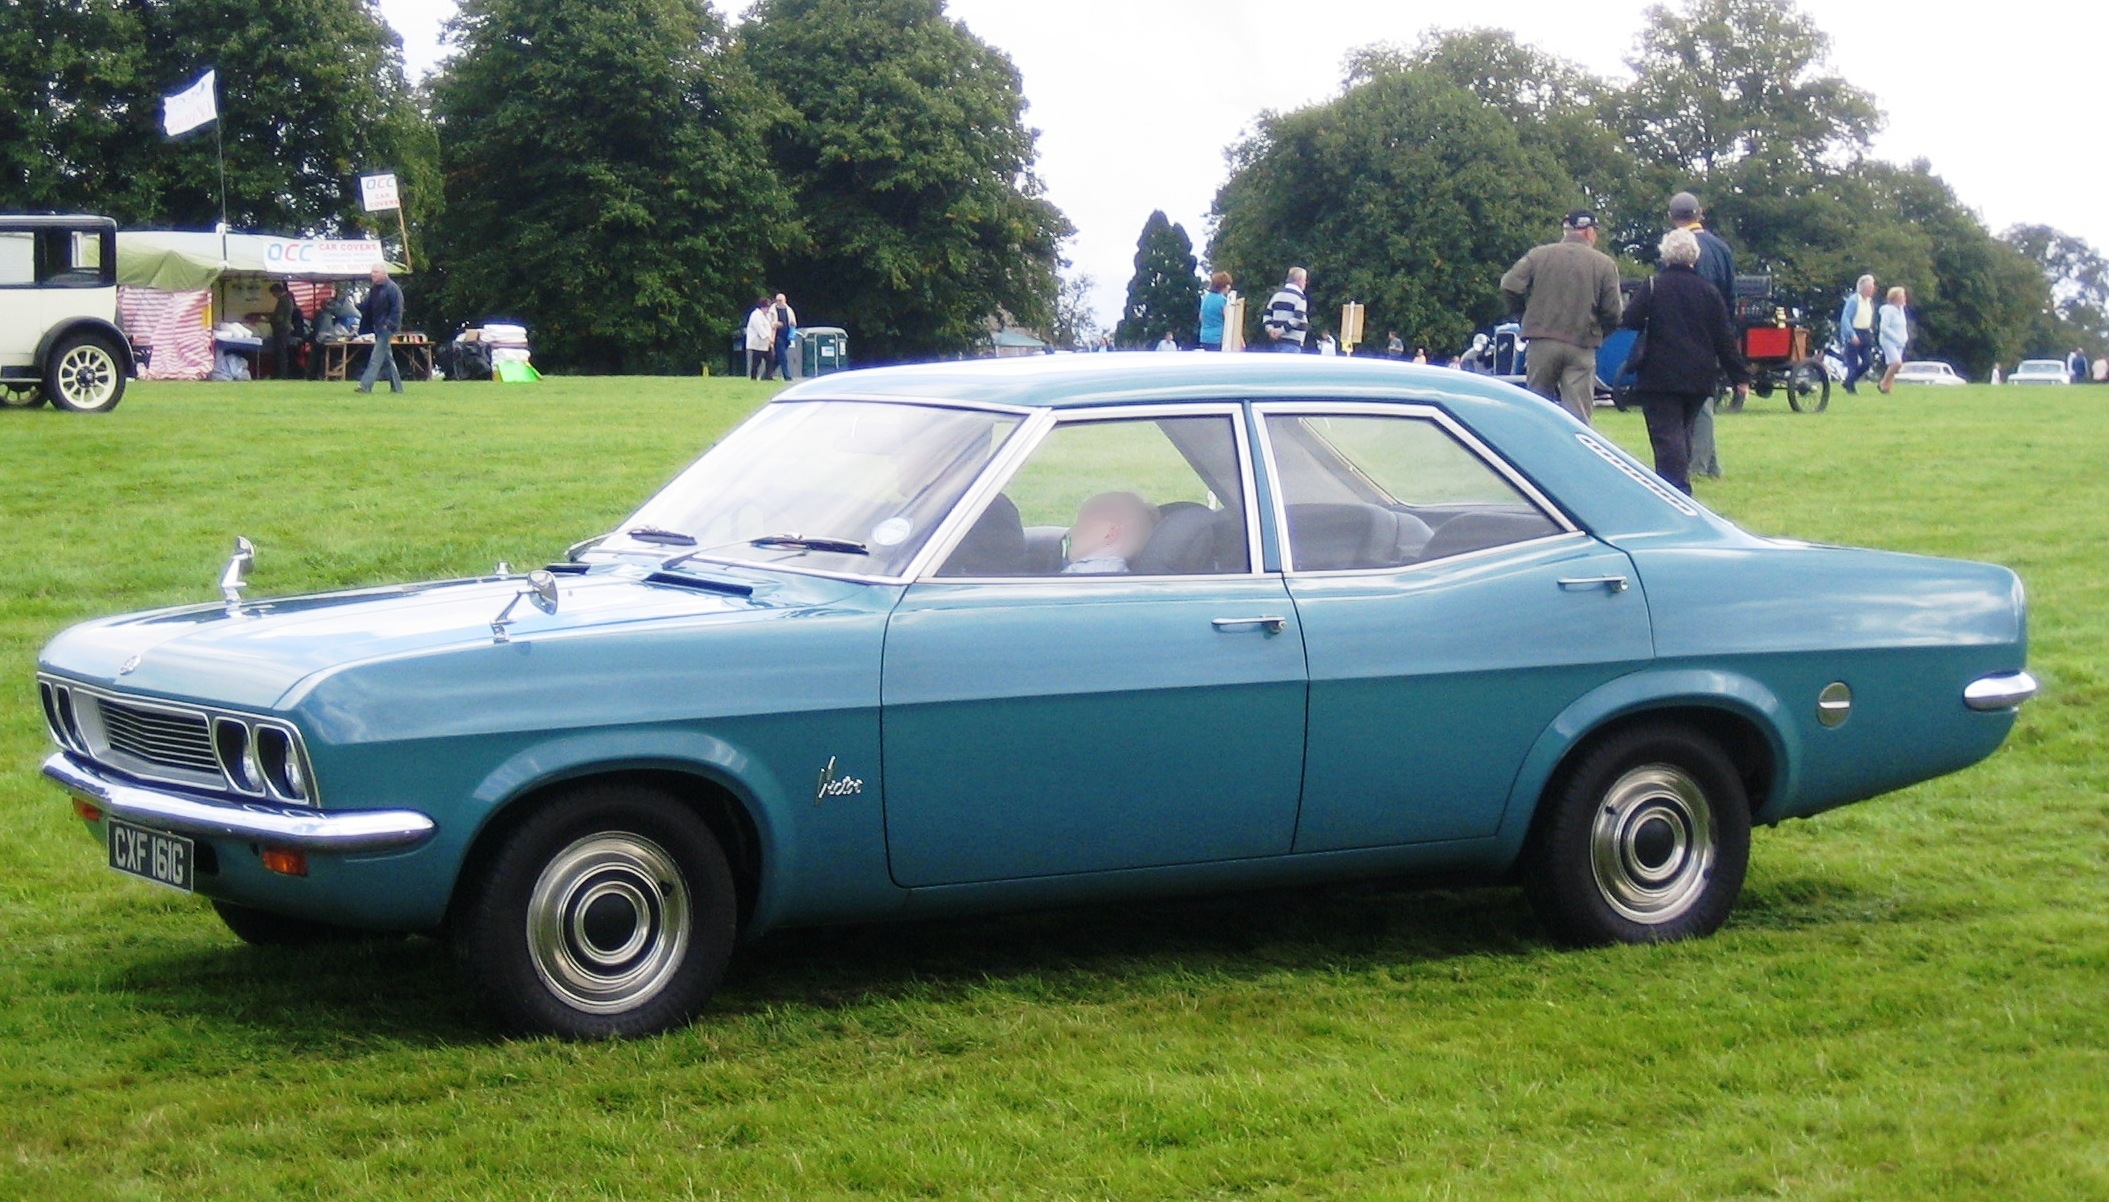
290, 861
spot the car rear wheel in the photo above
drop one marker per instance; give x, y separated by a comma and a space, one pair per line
608, 913
1646, 838
21, 396
85, 375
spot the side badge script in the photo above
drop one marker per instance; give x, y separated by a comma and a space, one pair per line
831, 785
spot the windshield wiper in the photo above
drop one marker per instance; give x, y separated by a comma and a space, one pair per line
840, 546
653, 534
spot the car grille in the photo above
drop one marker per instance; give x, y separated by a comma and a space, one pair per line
166, 738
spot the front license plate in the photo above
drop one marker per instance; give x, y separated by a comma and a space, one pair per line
151, 855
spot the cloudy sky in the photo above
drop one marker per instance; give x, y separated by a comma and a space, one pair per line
1135, 101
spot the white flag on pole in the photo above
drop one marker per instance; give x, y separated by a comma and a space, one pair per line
192, 107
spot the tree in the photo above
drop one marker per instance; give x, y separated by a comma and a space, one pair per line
1718, 82
1405, 193
1074, 324
903, 140
2078, 277
311, 95
1164, 295
606, 179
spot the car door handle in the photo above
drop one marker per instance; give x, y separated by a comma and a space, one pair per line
1272, 625
1575, 584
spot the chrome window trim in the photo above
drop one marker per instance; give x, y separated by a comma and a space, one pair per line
1262, 410
1647, 480
1003, 467
97, 748
866, 398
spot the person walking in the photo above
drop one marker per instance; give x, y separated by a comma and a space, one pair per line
1567, 292
761, 336
1717, 266
382, 314
1895, 331
1288, 318
1213, 303
785, 324
1856, 330
1686, 345
287, 329
2076, 365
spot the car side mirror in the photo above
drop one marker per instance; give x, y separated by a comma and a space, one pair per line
541, 590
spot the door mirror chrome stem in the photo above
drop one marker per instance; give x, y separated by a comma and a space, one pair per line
541, 590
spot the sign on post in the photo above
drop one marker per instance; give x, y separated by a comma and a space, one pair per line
1350, 327
1233, 322
379, 193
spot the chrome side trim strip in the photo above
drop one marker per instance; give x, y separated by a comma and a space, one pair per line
1999, 691
280, 826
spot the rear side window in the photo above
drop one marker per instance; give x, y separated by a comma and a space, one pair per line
1365, 492
18, 258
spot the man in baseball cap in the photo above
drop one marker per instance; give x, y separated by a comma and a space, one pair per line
1567, 292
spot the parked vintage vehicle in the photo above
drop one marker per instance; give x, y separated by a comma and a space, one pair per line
59, 339
1929, 371
968, 636
2041, 371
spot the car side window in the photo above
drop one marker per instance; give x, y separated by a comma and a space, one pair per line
18, 258
1116, 497
1365, 491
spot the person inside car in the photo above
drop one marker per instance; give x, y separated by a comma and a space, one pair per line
1111, 529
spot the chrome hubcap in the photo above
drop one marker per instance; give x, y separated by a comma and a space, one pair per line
87, 376
1651, 847
608, 923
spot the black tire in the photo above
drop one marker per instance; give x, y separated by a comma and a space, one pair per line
608, 913
265, 929
21, 397
1808, 386
85, 374
1643, 839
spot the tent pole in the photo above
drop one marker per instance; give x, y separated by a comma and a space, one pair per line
219, 151
404, 226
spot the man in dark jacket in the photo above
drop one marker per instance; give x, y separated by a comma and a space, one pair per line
382, 315
1689, 346
1717, 266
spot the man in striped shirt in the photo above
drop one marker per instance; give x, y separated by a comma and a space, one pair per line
1288, 314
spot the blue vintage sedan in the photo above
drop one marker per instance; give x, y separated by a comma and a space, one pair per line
967, 636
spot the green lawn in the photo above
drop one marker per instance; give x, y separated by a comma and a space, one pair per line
1911, 1003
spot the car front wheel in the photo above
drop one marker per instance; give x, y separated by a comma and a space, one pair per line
1645, 839
85, 374
609, 913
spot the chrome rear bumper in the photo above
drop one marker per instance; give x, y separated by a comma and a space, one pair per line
279, 826
1999, 691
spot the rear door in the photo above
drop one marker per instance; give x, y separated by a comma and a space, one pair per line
1450, 613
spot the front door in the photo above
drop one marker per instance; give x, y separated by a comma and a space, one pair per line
1097, 679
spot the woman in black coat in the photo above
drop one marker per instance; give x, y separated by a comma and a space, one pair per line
1687, 345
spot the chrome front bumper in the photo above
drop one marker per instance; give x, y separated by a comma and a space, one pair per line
1999, 691
279, 826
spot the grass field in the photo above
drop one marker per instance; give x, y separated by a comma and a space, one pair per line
1911, 1003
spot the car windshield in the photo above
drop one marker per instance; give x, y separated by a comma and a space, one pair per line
836, 486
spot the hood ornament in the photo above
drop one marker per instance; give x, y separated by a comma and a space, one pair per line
235, 577
541, 589
128, 667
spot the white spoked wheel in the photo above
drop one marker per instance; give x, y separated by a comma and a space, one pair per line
85, 375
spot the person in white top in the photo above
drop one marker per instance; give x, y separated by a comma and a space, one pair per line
1167, 343
761, 336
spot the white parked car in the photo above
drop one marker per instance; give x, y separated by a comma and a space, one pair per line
2040, 371
1928, 371
59, 339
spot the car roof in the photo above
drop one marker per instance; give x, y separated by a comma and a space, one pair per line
2053, 364
54, 220
1131, 378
